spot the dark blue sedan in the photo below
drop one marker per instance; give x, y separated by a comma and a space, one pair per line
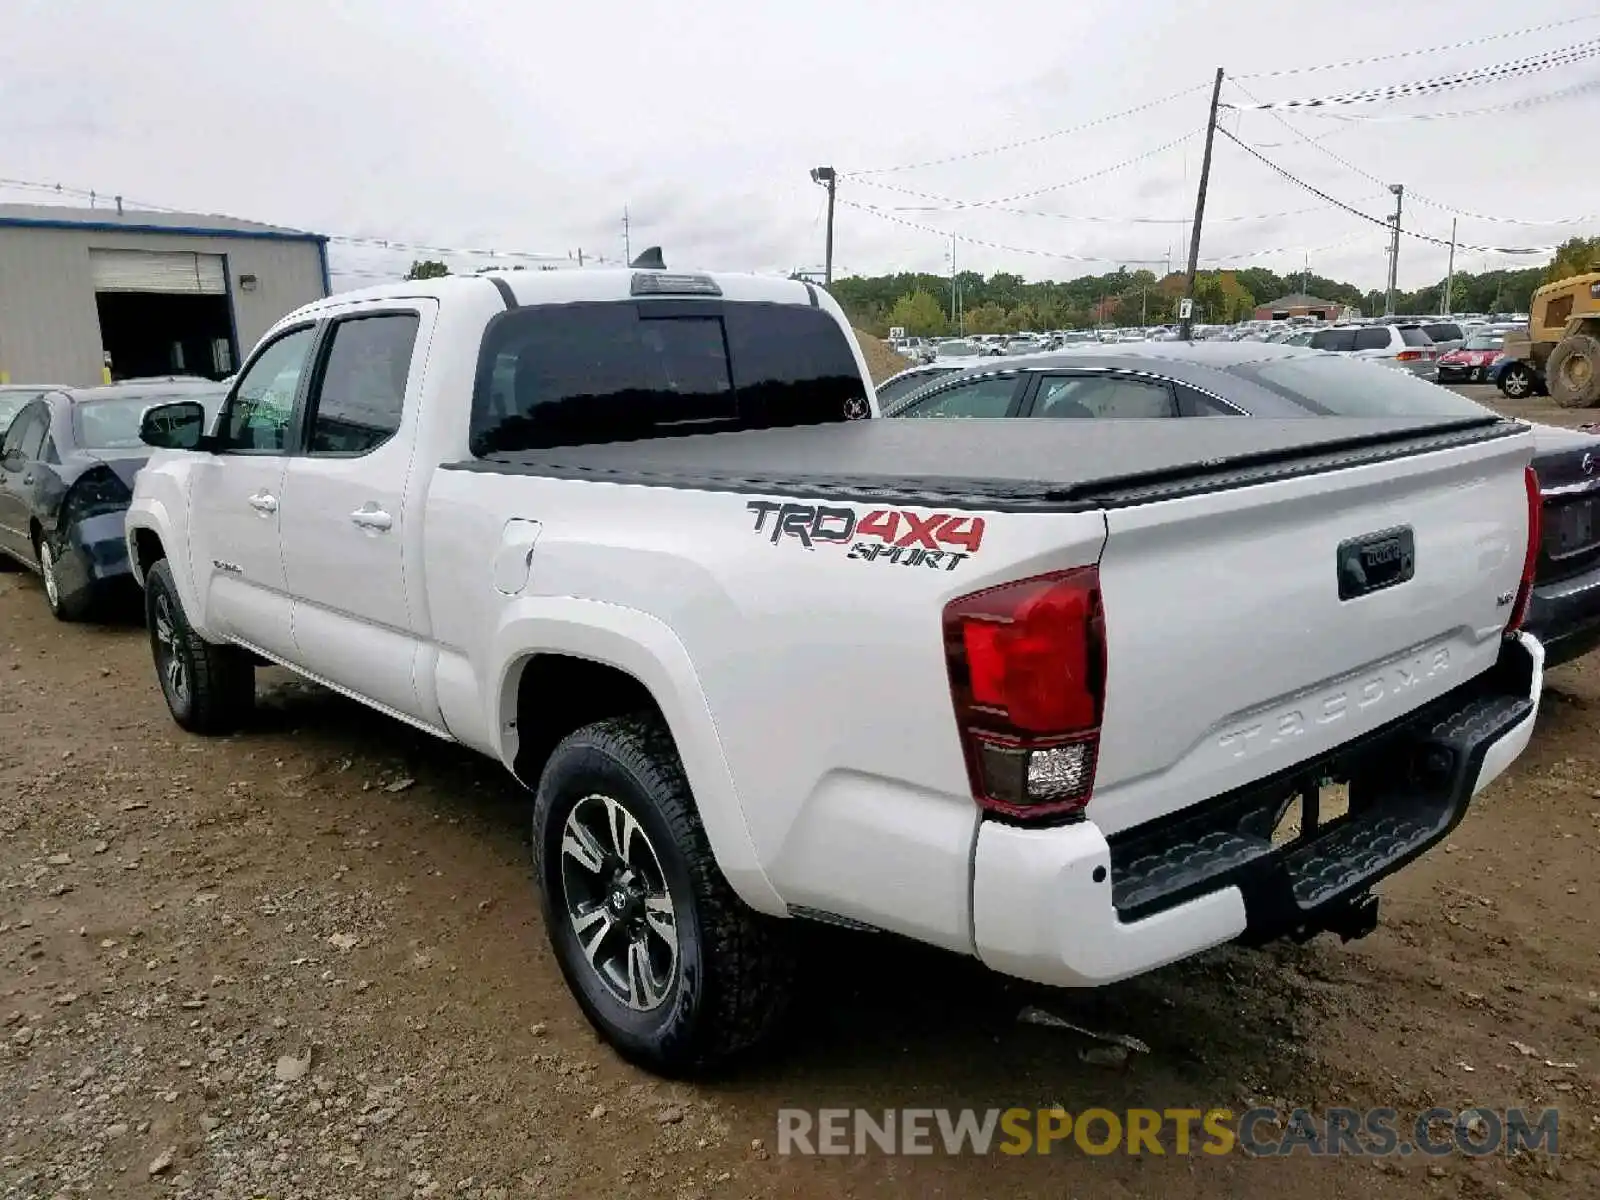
67, 462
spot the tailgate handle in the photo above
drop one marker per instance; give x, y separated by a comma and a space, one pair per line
1375, 561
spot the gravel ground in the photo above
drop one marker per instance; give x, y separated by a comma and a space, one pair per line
306, 961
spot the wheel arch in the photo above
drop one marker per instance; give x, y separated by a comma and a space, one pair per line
602, 660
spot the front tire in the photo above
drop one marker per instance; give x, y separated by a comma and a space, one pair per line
666, 962
210, 689
1517, 383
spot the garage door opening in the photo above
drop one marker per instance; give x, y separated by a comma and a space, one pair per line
163, 313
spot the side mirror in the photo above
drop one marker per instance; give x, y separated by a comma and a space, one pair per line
177, 426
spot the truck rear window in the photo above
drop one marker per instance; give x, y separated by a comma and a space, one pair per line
574, 374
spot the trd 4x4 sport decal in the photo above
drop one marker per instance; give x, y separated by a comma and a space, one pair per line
938, 541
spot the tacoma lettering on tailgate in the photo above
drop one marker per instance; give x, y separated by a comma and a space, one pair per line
1315, 712
899, 536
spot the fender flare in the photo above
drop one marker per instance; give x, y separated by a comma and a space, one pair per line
152, 514
646, 648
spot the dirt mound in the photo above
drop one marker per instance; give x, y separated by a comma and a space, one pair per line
881, 361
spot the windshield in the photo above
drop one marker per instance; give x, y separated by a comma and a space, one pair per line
904, 385
1485, 341
11, 404
1345, 387
113, 424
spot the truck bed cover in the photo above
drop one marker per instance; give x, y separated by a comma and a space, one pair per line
1001, 465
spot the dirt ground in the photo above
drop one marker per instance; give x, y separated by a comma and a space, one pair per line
306, 961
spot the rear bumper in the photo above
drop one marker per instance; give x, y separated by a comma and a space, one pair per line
1565, 617
93, 554
1068, 907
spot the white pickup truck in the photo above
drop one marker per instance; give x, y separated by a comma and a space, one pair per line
1076, 698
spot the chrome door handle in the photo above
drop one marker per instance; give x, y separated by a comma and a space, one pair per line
372, 517
27, 479
264, 502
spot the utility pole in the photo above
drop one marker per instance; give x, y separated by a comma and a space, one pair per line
829, 178
953, 319
580, 256
627, 244
1186, 327
1450, 273
1399, 190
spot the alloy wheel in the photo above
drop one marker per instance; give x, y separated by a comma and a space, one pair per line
169, 657
618, 903
47, 568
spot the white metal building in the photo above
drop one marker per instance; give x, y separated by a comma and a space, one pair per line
92, 295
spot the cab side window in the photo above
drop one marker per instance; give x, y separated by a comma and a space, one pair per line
256, 419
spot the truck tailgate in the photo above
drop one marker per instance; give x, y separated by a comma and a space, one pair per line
1231, 652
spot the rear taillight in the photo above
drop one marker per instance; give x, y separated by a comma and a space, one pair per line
1530, 557
1409, 355
1027, 667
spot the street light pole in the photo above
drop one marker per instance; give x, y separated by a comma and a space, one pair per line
830, 179
1399, 190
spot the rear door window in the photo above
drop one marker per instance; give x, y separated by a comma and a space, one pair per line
1376, 338
1334, 339
361, 392
564, 375
1102, 396
1415, 336
25, 438
1441, 332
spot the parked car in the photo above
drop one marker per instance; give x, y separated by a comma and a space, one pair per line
67, 465
956, 349
1251, 379
1470, 363
912, 379
1445, 335
1517, 378
795, 665
1405, 346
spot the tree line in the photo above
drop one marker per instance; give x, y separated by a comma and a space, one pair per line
1005, 302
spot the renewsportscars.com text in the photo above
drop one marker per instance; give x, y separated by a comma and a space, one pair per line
1257, 1132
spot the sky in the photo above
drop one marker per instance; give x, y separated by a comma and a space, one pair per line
532, 128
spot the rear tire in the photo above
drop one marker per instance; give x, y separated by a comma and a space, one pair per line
1573, 372
666, 962
210, 689
1517, 383
76, 606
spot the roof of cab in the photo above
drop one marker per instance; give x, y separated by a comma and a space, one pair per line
569, 286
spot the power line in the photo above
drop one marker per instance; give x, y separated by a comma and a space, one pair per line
1365, 216
1534, 64
1416, 197
972, 241
1361, 118
1028, 141
957, 205
1378, 58
946, 234
1030, 194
